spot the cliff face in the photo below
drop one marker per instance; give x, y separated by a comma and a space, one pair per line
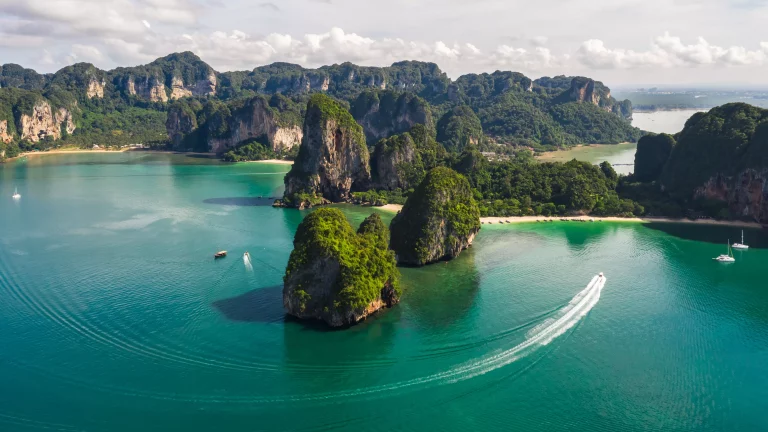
590, 91
43, 122
150, 88
180, 123
95, 89
5, 136
746, 193
333, 157
206, 87
388, 159
401, 161
256, 120
339, 276
722, 155
383, 114
439, 220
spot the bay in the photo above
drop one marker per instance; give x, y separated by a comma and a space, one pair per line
115, 317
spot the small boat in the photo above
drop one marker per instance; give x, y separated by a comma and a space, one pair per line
246, 255
16, 194
741, 245
601, 275
219, 254
726, 258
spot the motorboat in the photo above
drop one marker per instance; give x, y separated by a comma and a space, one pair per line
726, 258
16, 194
741, 245
219, 254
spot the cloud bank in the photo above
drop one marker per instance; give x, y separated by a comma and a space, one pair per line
109, 33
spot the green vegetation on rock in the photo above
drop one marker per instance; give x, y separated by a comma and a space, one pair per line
438, 221
337, 275
459, 128
652, 154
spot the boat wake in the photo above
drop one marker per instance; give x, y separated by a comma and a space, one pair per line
540, 335
247, 262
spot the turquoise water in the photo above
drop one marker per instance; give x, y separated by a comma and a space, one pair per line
115, 317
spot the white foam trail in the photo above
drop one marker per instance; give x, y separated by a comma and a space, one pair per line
247, 262
540, 335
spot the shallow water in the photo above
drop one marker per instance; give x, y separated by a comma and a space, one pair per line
115, 317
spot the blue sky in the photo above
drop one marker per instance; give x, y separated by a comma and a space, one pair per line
622, 42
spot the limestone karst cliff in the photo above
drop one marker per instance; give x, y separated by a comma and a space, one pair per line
722, 156
339, 276
43, 121
438, 221
383, 114
5, 135
333, 157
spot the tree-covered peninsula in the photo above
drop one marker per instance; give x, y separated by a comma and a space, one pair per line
337, 275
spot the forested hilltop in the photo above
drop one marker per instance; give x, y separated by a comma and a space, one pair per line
181, 101
717, 166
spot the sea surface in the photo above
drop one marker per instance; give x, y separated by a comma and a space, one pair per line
114, 316
670, 122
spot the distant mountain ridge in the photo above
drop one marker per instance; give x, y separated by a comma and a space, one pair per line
107, 107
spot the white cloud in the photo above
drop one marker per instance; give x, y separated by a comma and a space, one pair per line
97, 18
669, 51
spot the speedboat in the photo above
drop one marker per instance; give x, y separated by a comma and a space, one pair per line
741, 245
726, 258
16, 194
219, 254
601, 275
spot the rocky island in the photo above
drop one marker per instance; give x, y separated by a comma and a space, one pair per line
333, 158
439, 220
338, 275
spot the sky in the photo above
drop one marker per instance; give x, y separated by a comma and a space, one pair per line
621, 42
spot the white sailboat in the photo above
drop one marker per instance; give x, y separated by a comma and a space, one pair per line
741, 245
726, 258
16, 194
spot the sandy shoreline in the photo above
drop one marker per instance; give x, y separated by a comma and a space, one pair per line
273, 161
80, 151
394, 208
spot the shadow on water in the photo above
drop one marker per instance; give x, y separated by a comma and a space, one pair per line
580, 235
263, 305
719, 234
242, 201
442, 293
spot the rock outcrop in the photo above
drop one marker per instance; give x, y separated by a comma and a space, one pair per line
43, 122
401, 161
256, 119
722, 155
438, 221
383, 114
333, 157
5, 135
95, 89
149, 88
746, 193
652, 154
590, 91
181, 122
339, 276
205, 87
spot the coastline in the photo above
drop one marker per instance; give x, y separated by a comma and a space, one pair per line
273, 161
493, 220
123, 150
